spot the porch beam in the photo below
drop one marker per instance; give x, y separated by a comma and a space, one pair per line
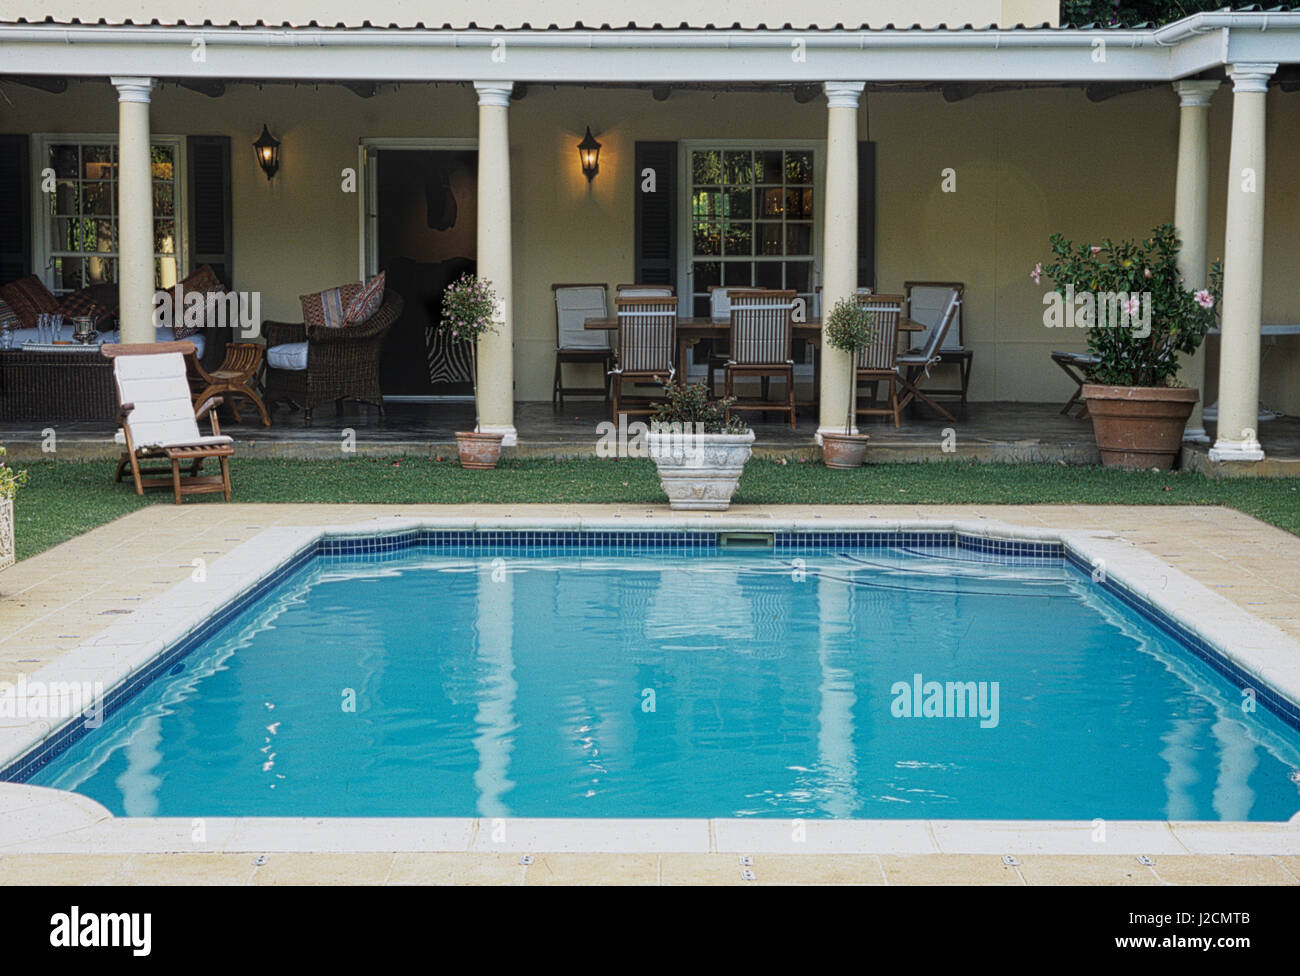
135, 279
55, 86
1243, 269
496, 364
1192, 217
1194, 44
211, 88
840, 244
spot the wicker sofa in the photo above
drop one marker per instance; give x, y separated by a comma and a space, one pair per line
339, 364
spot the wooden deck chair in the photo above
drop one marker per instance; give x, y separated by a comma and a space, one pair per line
915, 366
159, 421
647, 346
574, 343
761, 337
878, 359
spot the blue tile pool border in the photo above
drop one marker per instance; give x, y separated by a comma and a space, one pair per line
544, 542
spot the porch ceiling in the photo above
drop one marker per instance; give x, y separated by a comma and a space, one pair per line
651, 55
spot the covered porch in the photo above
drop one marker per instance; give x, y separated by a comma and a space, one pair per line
931, 155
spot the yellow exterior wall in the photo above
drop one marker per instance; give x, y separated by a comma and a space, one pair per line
1027, 164
512, 13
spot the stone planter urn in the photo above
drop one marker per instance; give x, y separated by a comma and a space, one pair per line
699, 472
8, 549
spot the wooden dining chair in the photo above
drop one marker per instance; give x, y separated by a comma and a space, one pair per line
647, 347
878, 359
576, 344
761, 345
644, 291
914, 367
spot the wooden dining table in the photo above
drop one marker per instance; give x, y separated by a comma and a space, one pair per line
691, 330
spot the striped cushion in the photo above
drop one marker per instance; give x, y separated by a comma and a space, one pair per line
79, 303
367, 302
8, 317
28, 297
202, 280
328, 309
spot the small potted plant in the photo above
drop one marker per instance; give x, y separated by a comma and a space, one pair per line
10, 481
1140, 317
698, 451
848, 328
469, 310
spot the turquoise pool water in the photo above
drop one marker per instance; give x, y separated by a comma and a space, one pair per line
670, 684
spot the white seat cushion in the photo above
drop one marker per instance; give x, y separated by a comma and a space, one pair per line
288, 355
156, 387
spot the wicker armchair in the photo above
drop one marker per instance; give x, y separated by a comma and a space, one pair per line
341, 363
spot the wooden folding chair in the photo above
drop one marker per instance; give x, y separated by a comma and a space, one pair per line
233, 379
914, 367
924, 302
647, 347
761, 345
878, 359
158, 421
574, 343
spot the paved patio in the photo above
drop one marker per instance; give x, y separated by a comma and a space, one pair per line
52, 602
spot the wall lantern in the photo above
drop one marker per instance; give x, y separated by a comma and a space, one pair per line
267, 148
589, 155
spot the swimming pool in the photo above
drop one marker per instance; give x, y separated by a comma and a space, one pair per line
600, 675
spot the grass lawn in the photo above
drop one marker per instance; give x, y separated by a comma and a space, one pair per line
66, 498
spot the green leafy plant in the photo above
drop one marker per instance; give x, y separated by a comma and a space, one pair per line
849, 327
697, 405
1179, 316
470, 310
10, 479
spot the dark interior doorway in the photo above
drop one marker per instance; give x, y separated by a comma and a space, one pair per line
426, 216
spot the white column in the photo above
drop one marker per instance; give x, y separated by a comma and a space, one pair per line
135, 281
496, 355
840, 242
1191, 216
1243, 269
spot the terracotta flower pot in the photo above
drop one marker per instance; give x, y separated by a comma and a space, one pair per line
477, 449
1139, 426
844, 450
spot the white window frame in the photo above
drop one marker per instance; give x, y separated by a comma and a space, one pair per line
42, 256
686, 245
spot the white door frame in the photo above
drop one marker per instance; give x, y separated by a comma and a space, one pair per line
368, 212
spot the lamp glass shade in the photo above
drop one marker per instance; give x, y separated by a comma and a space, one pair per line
589, 155
267, 148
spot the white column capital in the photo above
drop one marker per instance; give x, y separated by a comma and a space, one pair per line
133, 89
843, 94
496, 93
1251, 76
1195, 94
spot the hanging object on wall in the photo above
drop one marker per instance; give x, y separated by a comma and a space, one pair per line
439, 200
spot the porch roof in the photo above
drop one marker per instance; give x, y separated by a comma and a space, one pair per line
650, 53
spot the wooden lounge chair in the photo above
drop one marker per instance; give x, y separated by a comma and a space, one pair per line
574, 343
924, 303
915, 366
647, 344
159, 422
761, 334
878, 359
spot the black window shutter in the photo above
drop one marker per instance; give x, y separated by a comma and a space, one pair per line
15, 209
211, 240
656, 214
867, 214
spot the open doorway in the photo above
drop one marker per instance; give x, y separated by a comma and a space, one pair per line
422, 202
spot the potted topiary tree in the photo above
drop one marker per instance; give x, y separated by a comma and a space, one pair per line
848, 327
469, 310
10, 481
698, 451
1139, 317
